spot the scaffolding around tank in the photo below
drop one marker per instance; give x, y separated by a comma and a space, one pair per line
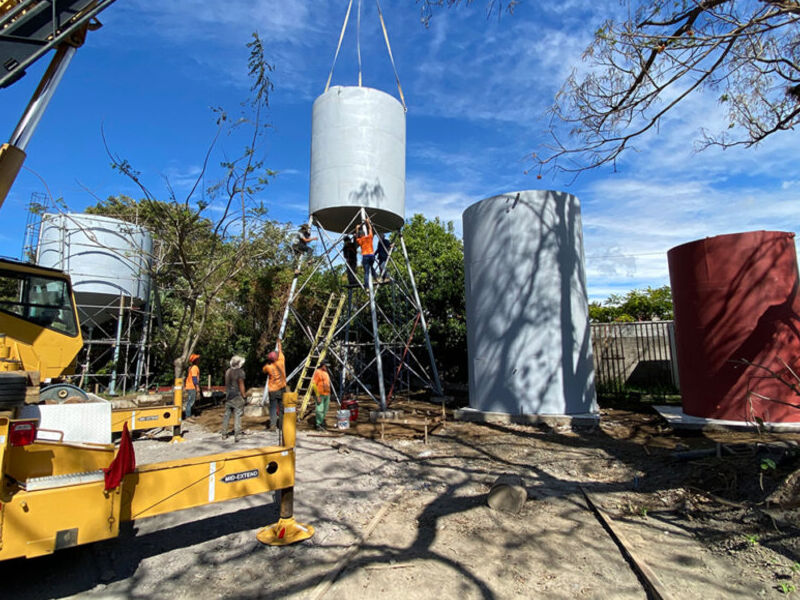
380, 346
108, 261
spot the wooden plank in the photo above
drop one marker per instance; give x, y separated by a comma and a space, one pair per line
642, 569
327, 581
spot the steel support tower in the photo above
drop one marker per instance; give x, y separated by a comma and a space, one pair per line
381, 343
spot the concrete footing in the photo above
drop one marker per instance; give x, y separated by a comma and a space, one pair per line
479, 416
255, 410
675, 416
375, 415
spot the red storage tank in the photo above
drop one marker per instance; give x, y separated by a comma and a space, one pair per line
736, 298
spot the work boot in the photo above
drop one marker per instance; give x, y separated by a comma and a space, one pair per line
236, 438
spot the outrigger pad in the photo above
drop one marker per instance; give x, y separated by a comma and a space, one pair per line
285, 532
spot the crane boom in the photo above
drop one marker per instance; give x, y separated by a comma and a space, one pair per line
28, 30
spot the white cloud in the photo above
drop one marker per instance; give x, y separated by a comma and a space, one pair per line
631, 223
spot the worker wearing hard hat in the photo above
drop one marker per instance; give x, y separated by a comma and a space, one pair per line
321, 386
192, 385
276, 384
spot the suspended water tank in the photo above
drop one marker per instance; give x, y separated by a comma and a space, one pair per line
528, 332
106, 258
737, 325
358, 158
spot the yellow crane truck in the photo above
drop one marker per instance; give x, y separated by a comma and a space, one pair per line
28, 30
53, 493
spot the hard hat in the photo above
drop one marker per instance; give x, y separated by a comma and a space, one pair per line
193, 357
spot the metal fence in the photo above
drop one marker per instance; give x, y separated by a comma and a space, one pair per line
635, 357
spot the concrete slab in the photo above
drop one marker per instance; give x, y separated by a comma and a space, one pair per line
675, 416
480, 416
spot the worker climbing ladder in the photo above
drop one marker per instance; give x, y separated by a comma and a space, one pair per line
319, 348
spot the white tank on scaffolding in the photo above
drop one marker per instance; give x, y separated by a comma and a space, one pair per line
358, 158
528, 335
106, 258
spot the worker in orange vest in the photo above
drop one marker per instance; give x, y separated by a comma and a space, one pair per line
321, 385
276, 384
364, 240
192, 385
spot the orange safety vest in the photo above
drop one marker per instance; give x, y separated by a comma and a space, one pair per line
322, 381
276, 372
365, 241
194, 371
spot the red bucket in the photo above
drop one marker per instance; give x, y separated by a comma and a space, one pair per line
351, 405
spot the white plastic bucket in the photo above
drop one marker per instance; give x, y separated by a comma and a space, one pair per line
342, 419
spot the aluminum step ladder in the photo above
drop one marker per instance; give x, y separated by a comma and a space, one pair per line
319, 348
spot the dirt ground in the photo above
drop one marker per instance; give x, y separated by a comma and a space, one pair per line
703, 524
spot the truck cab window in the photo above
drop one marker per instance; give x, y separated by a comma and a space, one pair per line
44, 301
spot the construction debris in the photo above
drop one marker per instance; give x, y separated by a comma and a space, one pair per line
507, 494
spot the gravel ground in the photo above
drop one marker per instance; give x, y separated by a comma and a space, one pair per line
437, 537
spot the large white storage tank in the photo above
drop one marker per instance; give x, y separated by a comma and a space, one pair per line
528, 335
358, 158
106, 258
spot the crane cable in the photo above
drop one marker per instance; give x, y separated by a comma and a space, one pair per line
358, 42
339, 45
391, 57
358, 48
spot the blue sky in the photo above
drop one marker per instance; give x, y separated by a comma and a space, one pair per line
477, 91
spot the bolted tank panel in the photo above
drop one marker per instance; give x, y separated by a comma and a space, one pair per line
358, 158
105, 257
737, 325
528, 332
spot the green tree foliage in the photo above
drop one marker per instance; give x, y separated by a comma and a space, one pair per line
437, 258
637, 305
205, 276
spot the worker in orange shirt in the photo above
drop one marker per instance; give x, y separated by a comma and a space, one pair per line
192, 385
321, 385
276, 384
364, 239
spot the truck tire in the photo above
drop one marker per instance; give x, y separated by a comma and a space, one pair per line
12, 390
61, 393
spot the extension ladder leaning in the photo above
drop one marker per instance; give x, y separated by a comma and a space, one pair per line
319, 348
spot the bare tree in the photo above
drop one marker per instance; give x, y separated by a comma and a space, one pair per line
199, 252
427, 7
644, 66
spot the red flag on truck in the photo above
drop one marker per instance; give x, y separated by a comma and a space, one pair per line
124, 462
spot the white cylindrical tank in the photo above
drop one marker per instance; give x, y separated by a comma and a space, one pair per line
528, 335
358, 158
106, 258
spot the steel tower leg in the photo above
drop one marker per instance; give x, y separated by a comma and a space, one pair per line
112, 387
346, 349
378, 361
423, 322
